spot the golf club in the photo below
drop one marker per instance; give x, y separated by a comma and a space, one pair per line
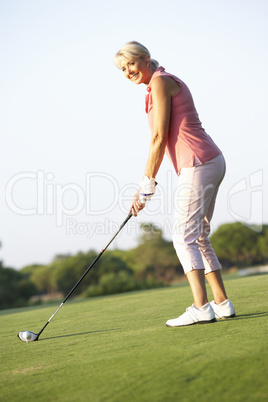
28, 336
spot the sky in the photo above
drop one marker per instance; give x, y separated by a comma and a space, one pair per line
74, 131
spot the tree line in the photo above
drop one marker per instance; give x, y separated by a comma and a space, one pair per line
152, 263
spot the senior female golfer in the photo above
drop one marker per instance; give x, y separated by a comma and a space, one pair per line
177, 131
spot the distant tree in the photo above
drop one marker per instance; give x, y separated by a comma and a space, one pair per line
236, 244
15, 290
154, 257
67, 271
120, 282
28, 270
112, 262
263, 244
152, 263
111, 283
43, 279
62, 256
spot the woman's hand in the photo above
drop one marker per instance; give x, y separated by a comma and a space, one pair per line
136, 205
144, 194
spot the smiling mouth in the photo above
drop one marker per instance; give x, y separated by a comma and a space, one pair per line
134, 77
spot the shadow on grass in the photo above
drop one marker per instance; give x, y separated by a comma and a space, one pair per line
246, 316
79, 334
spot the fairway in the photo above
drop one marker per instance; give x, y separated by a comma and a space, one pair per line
118, 348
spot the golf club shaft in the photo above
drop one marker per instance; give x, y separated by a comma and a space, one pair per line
85, 273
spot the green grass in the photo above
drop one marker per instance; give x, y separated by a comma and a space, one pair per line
118, 349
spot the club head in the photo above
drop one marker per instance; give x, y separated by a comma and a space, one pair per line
27, 336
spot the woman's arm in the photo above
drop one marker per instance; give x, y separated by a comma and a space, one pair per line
161, 91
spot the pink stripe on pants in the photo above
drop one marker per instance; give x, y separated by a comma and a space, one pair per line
194, 205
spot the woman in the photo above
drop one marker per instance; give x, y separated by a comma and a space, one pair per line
199, 163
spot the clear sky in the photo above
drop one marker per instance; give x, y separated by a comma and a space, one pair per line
74, 132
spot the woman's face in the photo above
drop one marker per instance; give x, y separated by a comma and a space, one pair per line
138, 71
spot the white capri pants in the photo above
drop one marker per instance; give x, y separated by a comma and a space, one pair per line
194, 205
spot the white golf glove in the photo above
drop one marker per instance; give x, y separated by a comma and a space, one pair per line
147, 189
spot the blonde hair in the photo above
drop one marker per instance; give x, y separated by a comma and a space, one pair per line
134, 50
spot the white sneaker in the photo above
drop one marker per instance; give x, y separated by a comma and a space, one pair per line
223, 310
193, 315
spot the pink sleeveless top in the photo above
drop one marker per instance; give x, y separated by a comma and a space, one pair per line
188, 144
